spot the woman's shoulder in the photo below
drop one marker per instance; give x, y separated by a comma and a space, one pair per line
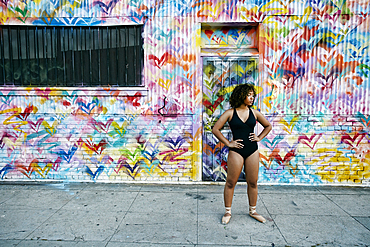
255, 112
228, 113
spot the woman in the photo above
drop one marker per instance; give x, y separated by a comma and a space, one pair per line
243, 149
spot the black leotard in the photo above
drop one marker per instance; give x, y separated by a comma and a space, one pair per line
242, 130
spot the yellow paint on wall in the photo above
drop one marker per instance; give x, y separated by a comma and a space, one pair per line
164, 83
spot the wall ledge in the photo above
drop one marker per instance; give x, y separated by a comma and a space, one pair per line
78, 91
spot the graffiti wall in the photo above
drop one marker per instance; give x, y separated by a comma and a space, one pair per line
313, 78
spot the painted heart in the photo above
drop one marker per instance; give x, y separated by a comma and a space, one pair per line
8, 139
24, 115
122, 161
309, 141
35, 126
106, 7
106, 160
283, 161
213, 106
164, 83
352, 141
40, 168
97, 148
150, 152
219, 173
67, 156
364, 120
266, 161
174, 144
276, 157
61, 116
100, 126
94, 175
5, 170
129, 117
50, 129
70, 98
56, 164
25, 170
134, 100
172, 156
132, 156
150, 165
120, 130
7, 99
87, 107
325, 81
22, 13
289, 126
43, 92
131, 171
272, 144
159, 62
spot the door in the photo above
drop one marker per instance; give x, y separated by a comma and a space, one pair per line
220, 76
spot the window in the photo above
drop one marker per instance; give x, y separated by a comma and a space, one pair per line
71, 56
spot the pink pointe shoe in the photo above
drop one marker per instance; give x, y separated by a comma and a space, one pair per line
254, 214
227, 216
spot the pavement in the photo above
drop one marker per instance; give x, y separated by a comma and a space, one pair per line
133, 215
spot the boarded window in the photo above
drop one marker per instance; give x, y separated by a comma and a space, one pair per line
71, 56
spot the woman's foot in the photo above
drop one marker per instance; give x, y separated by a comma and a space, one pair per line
227, 216
254, 214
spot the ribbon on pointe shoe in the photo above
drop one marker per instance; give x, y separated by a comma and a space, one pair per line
227, 216
254, 214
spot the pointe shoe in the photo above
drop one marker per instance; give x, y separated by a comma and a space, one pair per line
255, 215
226, 218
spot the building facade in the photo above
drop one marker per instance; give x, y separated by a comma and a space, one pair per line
121, 90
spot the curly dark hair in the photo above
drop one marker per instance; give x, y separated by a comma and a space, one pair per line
239, 94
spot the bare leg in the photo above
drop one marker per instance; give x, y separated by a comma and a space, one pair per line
234, 167
251, 173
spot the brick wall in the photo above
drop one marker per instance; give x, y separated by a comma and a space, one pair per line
313, 78
324, 149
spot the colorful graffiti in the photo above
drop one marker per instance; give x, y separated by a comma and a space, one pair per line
81, 137
314, 69
219, 79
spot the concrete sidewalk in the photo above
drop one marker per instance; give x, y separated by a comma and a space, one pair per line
88, 214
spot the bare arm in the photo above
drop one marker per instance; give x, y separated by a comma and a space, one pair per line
265, 123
